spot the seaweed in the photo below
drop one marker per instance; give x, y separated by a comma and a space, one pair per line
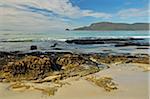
104, 82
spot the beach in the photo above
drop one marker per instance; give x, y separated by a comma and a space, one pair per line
72, 75
74, 49
82, 68
132, 84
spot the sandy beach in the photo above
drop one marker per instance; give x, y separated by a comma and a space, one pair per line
132, 83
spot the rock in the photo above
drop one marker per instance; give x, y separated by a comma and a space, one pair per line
99, 41
70, 60
132, 44
54, 45
143, 48
57, 49
33, 47
50, 79
39, 65
18, 86
67, 29
5, 54
104, 82
30, 67
108, 59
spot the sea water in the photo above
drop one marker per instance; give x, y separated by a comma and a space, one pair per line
12, 41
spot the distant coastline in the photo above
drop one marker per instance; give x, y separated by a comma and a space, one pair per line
109, 26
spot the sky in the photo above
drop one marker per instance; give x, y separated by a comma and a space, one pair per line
47, 15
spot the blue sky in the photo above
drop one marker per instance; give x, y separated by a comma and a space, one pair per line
46, 15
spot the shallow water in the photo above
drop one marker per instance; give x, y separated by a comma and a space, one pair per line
12, 41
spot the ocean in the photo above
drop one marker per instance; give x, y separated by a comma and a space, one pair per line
21, 41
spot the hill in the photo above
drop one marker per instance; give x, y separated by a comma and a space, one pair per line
115, 26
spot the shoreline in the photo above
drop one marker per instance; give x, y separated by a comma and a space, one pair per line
111, 71
81, 45
122, 74
101, 38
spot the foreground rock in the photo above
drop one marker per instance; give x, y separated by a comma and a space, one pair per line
40, 67
51, 67
30, 67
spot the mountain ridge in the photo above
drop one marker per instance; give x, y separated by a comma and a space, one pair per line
115, 26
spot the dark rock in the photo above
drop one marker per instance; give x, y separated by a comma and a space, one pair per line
33, 47
97, 41
85, 41
67, 29
57, 49
119, 42
54, 45
132, 44
4, 54
142, 48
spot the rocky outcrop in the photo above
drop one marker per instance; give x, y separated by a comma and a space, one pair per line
108, 59
41, 66
37, 66
30, 67
119, 42
70, 61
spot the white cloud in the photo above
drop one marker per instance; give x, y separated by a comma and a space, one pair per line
13, 19
41, 14
132, 12
95, 14
60, 7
